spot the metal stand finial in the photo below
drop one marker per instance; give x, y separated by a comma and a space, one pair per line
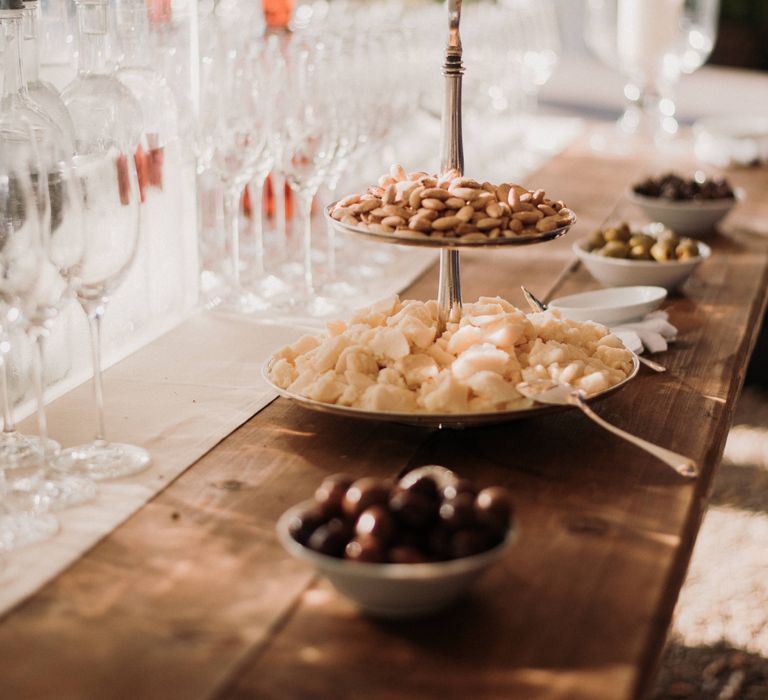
452, 157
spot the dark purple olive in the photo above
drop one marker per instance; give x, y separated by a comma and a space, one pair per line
412, 508
331, 538
406, 555
364, 493
493, 508
376, 523
304, 523
365, 549
461, 486
330, 494
439, 543
426, 486
459, 512
469, 541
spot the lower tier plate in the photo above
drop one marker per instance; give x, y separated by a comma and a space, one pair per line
440, 420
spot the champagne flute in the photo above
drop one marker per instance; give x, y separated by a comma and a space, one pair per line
310, 140
234, 146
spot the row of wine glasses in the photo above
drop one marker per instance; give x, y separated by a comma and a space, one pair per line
69, 227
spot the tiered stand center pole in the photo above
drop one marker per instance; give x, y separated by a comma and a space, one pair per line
452, 156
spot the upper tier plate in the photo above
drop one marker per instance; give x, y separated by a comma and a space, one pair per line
425, 241
439, 420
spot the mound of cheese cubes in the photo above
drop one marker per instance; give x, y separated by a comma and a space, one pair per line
388, 358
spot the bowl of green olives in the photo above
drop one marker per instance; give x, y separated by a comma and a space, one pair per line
654, 255
688, 205
402, 548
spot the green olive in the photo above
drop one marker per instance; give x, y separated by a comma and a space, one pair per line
625, 231
686, 249
662, 251
669, 236
617, 234
640, 252
642, 239
615, 249
596, 240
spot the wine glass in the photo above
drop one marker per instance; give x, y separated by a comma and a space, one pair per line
21, 503
61, 240
108, 128
310, 133
234, 145
653, 44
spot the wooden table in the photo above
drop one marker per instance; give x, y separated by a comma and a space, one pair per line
194, 598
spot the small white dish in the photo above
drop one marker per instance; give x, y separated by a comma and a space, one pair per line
624, 272
610, 306
695, 219
395, 590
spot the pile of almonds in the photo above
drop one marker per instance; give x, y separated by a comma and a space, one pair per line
450, 206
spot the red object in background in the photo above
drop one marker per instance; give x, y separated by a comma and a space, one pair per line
245, 202
155, 159
277, 13
123, 180
142, 170
159, 11
270, 209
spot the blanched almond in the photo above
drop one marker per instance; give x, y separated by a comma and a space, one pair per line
494, 210
419, 223
435, 193
488, 223
445, 223
528, 217
465, 213
431, 203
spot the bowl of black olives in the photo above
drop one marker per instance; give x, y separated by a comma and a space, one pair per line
688, 205
400, 548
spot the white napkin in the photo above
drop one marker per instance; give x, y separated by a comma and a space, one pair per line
651, 333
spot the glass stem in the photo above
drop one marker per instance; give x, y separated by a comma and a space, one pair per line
305, 198
38, 342
257, 217
231, 218
331, 241
94, 326
278, 190
8, 425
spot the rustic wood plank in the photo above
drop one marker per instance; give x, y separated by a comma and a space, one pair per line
193, 598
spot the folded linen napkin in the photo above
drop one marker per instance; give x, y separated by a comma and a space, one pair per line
651, 333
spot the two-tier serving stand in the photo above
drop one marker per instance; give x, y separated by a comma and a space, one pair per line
449, 292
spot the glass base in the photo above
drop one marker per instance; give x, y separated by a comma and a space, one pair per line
19, 529
104, 460
17, 450
59, 490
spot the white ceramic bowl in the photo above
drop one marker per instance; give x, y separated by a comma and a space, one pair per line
394, 590
610, 306
622, 272
693, 219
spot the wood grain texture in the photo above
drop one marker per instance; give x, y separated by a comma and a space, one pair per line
193, 597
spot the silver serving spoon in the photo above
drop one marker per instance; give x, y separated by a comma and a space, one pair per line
548, 392
537, 305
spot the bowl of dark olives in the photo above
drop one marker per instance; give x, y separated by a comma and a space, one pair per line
400, 548
623, 256
688, 205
